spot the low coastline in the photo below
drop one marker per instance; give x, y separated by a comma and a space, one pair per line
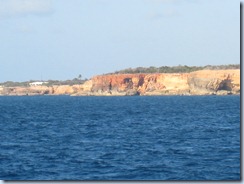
205, 82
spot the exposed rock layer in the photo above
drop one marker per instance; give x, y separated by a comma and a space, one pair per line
204, 82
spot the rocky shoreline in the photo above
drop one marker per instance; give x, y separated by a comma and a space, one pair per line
204, 82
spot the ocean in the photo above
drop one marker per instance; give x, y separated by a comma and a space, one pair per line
120, 138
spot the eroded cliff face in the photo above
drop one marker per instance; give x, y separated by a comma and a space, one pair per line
139, 84
204, 82
163, 84
214, 81
123, 84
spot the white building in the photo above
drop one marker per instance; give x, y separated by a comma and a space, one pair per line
37, 83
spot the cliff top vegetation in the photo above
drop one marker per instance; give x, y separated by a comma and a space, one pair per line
49, 82
175, 69
151, 69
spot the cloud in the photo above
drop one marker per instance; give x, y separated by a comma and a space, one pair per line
10, 8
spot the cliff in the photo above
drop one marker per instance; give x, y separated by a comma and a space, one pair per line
204, 82
220, 81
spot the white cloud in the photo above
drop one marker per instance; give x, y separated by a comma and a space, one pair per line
9, 8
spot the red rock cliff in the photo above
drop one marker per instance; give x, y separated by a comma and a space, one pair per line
199, 82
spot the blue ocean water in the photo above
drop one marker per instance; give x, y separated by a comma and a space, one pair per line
120, 138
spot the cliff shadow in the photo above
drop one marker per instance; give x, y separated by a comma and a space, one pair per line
225, 85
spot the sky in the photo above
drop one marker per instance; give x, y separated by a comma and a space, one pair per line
61, 39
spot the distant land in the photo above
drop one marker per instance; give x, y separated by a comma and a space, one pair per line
177, 80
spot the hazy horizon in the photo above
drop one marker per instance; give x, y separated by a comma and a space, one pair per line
58, 40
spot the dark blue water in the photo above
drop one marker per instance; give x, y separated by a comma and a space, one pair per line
120, 138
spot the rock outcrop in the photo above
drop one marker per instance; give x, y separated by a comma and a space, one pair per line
214, 82
204, 82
